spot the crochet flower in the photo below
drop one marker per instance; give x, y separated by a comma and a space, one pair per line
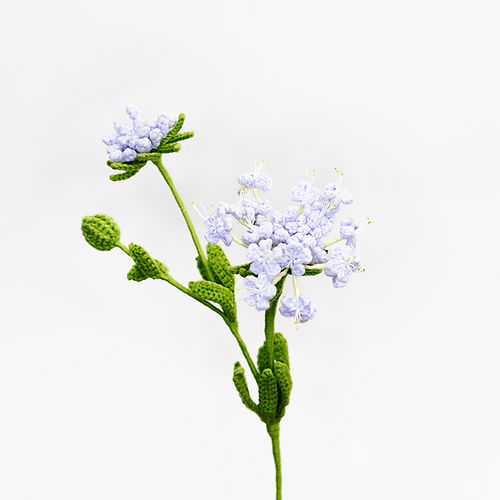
339, 266
289, 242
218, 226
260, 292
141, 137
299, 308
295, 255
265, 260
348, 231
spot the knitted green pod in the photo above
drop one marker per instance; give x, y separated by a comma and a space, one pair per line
268, 396
147, 265
100, 231
202, 269
215, 293
280, 353
241, 385
135, 274
284, 380
281, 349
263, 358
220, 266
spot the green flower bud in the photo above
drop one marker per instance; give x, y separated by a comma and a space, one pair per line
101, 231
284, 380
268, 396
242, 387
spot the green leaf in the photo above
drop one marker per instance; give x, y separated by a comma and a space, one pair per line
100, 231
220, 266
135, 274
165, 147
123, 176
147, 265
284, 380
268, 396
214, 292
241, 385
202, 268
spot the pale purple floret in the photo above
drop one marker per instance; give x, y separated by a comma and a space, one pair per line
262, 229
339, 266
260, 292
295, 255
348, 231
255, 180
299, 308
141, 137
218, 227
265, 259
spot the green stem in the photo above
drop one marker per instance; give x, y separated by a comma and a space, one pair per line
274, 431
269, 318
234, 330
184, 212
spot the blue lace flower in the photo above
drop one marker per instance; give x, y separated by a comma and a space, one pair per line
260, 291
141, 137
265, 259
299, 308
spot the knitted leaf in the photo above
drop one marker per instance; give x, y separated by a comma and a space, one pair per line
129, 169
216, 293
100, 231
268, 396
202, 268
177, 127
220, 266
241, 385
146, 264
168, 148
280, 353
284, 380
135, 274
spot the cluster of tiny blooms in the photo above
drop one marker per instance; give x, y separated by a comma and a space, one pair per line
128, 141
292, 241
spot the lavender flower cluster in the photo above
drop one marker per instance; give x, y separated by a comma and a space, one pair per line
128, 141
291, 241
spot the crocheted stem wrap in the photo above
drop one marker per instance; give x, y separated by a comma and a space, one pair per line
274, 432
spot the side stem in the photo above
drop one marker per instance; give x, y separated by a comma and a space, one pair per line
269, 317
274, 431
184, 212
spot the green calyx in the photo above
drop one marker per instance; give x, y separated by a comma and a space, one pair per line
145, 266
101, 232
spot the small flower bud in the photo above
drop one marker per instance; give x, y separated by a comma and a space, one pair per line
101, 231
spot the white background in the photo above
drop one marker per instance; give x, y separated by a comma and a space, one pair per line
115, 390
